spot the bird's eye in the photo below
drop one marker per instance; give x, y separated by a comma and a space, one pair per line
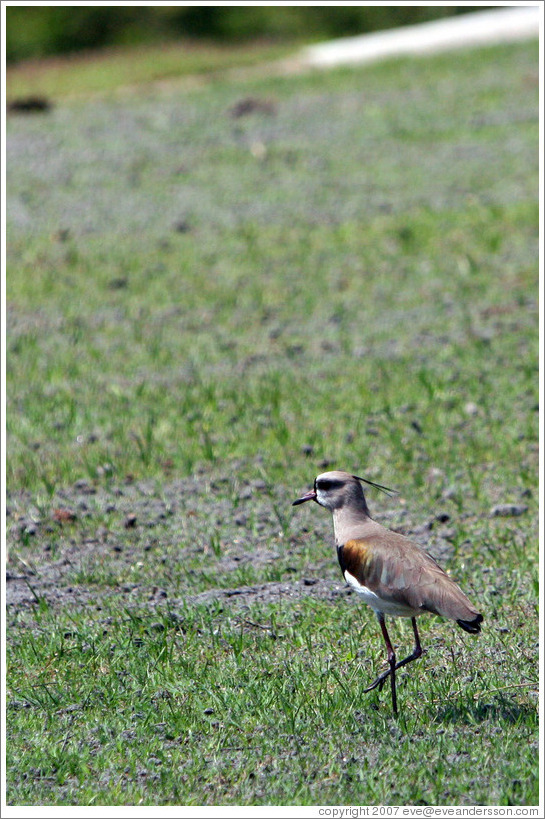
326, 485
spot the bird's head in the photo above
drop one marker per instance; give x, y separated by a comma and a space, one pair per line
333, 490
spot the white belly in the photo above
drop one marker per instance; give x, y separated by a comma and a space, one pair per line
376, 603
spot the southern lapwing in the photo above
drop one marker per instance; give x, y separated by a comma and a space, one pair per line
392, 574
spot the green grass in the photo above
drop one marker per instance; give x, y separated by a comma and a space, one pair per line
202, 311
108, 70
205, 708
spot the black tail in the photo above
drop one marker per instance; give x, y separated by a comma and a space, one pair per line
472, 626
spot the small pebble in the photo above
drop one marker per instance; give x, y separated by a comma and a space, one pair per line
450, 493
31, 529
508, 510
434, 475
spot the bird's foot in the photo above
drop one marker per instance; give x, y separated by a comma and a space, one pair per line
379, 682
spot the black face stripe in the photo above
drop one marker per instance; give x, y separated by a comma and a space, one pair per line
340, 558
326, 485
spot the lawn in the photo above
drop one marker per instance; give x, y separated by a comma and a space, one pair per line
214, 293
128, 68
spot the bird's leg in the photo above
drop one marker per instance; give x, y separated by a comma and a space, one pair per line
417, 652
392, 662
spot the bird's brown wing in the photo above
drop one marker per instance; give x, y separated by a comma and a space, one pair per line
400, 572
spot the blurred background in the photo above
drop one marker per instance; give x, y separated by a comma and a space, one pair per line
42, 31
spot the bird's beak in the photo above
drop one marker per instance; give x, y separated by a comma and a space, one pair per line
304, 498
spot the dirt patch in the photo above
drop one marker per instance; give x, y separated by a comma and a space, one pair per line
196, 540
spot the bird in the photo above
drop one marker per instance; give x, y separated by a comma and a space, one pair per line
393, 575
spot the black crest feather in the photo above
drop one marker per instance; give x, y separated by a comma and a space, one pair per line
384, 489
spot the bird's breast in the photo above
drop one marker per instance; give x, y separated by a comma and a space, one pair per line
378, 603
355, 557
374, 579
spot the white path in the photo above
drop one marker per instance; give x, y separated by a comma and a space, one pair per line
488, 27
